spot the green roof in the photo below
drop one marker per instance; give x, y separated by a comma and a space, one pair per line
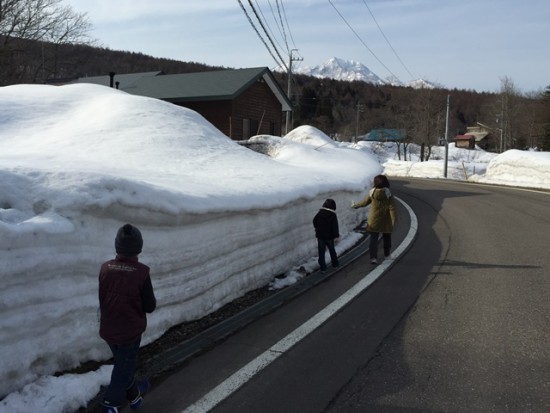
125, 80
217, 85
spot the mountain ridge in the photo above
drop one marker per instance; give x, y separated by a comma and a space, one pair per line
351, 70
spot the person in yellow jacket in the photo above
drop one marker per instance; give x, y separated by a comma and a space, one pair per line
382, 216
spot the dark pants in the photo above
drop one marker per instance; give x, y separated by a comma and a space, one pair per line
322, 244
122, 378
373, 245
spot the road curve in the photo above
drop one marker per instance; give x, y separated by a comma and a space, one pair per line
460, 323
477, 338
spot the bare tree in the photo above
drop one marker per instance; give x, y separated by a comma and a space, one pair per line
510, 103
27, 27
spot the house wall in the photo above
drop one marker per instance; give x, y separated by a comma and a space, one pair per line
259, 109
465, 143
217, 112
255, 112
255, 109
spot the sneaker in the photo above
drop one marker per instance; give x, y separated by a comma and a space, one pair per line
373, 261
136, 403
108, 409
143, 387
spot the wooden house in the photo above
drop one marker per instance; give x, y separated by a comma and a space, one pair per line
481, 133
478, 135
465, 141
241, 103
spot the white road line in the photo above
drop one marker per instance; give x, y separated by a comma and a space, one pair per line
239, 378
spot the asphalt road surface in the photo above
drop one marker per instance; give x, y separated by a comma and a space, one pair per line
459, 323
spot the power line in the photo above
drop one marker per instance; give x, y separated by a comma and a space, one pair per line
280, 26
286, 20
270, 30
379, 28
279, 62
266, 33
361, 40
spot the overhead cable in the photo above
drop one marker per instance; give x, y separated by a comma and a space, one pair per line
389, 44
279, 62
286, 49
279, 26
266, 33
361, 40
286, 21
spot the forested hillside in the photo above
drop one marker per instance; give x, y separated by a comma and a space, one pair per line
341, 109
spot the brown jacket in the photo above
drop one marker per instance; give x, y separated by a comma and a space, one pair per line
382, 215
125, 295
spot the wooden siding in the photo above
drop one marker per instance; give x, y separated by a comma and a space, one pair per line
261, 107
258, 105
217, 112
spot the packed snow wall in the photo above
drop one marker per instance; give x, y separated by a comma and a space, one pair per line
199, 262
79, 161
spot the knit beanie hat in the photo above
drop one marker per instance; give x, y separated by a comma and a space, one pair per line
330, 204
128, 241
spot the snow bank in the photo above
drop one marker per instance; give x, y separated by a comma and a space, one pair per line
518, 168
218, 219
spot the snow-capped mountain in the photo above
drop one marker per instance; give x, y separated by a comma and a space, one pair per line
423, 84
349, 70
340, 69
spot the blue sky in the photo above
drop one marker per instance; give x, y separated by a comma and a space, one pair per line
464, 44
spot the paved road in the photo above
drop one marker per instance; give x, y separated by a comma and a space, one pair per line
459, 324
477, 339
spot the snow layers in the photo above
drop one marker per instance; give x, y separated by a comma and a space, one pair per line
218, 219
48, 301
518, 168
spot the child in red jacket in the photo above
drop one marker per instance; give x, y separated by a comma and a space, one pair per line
125, 296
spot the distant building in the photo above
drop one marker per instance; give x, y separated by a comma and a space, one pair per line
241, 103
465, 141
385, 135
478, 135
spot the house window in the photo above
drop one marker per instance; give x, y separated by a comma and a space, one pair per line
272, 128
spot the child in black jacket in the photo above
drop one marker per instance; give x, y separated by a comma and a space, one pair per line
325, 223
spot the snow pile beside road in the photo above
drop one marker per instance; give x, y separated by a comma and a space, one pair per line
79, 161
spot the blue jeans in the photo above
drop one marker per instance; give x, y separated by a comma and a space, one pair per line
322, 244
373, 244
122, 377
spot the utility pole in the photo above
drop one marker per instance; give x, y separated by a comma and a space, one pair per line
447, 138
292, 59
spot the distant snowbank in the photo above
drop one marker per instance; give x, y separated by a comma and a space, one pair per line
518, 168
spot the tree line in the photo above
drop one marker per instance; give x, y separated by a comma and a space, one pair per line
347, 109
42, 41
